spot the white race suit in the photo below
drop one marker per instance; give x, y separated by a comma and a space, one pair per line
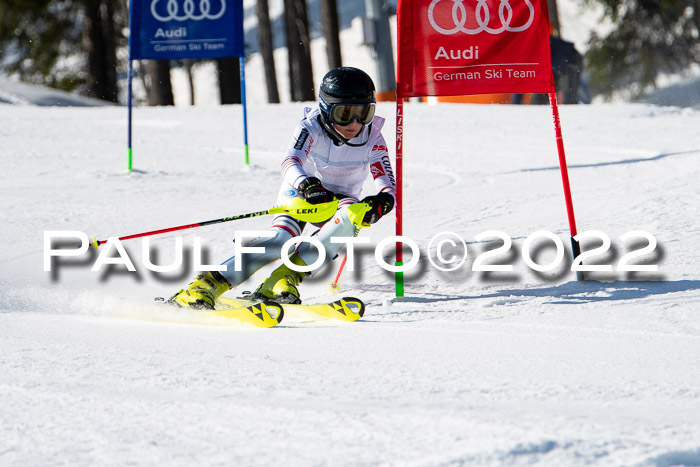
341, 169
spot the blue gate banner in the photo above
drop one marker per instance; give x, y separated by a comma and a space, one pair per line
176, 29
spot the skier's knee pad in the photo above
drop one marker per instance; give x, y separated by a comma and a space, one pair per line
252, 262
338, 226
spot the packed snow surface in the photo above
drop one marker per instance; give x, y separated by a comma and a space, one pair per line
471, 368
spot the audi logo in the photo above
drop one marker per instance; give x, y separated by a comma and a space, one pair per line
174, 13
482, 17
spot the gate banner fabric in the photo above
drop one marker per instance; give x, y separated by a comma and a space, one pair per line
457, 47
176, 29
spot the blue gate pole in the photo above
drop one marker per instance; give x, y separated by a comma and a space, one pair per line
130, 73
128, 138
241, 62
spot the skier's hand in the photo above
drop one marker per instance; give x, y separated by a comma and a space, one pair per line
380, 204
313, 192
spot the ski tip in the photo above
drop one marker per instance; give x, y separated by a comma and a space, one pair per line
355, 304
280, 310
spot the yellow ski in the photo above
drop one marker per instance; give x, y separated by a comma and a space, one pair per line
264, 314
345, 309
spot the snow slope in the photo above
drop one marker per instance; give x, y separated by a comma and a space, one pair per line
471, 369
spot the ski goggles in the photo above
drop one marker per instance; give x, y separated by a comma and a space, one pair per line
344, 114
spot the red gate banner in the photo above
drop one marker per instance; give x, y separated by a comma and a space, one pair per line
453, 47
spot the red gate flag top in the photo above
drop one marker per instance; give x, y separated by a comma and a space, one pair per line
452, 47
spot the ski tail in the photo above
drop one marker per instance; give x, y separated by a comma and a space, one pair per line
345, 309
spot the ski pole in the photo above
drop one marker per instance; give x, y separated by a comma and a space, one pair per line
356, 214
334, 284
297, 208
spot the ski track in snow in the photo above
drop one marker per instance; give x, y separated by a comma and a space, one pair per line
469, 369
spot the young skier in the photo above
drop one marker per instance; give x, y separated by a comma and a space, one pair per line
333, 150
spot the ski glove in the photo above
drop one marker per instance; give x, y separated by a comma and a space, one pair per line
380, 204
313, 192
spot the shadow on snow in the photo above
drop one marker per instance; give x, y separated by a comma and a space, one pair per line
578, 292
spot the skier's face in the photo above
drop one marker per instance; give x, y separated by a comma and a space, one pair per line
349, 131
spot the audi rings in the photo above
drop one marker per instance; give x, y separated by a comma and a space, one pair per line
482, 16
188, 10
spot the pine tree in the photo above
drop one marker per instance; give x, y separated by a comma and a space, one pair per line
266, 50
329, 25
649, 37
41, 40
299, 51
229, 72
34, 34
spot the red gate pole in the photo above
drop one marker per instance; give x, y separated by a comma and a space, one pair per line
399, 193
575, 246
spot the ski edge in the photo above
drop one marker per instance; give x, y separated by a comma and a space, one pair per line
258, 310
243, 311
337, 309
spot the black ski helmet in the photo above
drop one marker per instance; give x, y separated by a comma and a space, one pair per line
345, 86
